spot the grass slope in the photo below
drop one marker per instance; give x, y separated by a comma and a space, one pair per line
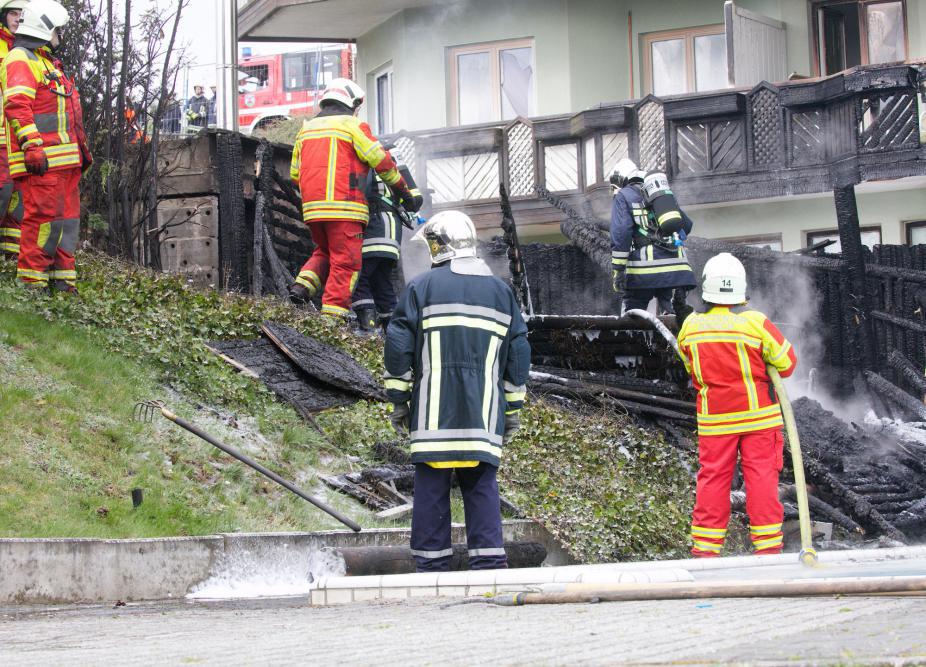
72, 369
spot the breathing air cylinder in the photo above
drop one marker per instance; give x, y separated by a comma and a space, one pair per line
661, 202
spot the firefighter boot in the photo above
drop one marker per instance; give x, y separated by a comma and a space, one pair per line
65, 287
366, 319
301, 296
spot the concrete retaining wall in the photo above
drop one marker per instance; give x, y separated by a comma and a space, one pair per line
91, 570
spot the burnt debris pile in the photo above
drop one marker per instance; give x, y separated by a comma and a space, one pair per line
872, 473
310, 375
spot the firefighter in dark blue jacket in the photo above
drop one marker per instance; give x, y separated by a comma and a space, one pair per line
647, 260
374, 296
457, 362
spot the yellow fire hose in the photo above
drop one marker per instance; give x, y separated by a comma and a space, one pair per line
808, 555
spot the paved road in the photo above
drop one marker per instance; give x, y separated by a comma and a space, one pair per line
873, 630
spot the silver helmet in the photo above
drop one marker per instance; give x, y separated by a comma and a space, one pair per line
449, 235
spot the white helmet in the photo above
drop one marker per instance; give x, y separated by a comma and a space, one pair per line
13, 4
624, 172
344, 91
41, 17
449, 235
723, 280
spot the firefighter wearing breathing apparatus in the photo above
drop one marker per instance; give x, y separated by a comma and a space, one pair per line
457, 362
727, 354
48, 148
647, 232
374, 296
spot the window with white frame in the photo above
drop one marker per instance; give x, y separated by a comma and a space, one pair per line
767, 241
871, 236
492, 81
384, 104
916, 232
685, 60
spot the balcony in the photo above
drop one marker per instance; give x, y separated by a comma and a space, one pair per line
802, 137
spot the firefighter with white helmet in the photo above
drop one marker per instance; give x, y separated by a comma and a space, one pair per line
197, 107
457, 362
648, 259
48, 148
10, 207
333, 155
727, 353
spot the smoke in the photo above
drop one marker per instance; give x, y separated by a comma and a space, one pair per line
788, 295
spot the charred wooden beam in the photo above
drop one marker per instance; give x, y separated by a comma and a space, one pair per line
283, 209
599, 398
856, 506
596, 322
287, 190
581, 232
280, 275
853, 253
907, 370
516, 268
823, 510
615, 392
376, 560
896, 395
615, 379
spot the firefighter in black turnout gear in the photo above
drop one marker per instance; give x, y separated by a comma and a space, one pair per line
647, 230
457, 362
374, 295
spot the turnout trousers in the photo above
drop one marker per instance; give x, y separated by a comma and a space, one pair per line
430, 541
374, 287
50, 226
336, 263
760, 455
9, 226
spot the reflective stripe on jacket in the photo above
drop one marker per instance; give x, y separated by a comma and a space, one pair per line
726, 354
332, 156
6, 43
648, 266
456, 349
42, 108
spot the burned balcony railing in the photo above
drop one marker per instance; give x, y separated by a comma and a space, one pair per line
772, 140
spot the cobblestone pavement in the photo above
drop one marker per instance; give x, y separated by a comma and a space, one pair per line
872, 630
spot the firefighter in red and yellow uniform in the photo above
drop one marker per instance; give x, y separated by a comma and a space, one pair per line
333, 154
10, 206
727, 353
47, 147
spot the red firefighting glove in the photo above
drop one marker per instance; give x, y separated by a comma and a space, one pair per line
36, 162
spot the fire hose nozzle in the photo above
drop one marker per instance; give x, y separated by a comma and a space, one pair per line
809, 557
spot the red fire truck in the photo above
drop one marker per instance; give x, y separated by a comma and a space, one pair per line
282, 86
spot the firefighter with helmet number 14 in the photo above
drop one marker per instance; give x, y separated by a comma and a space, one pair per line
727, 354
457, 362
648, 259
10, 206
333, 155
48, 148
